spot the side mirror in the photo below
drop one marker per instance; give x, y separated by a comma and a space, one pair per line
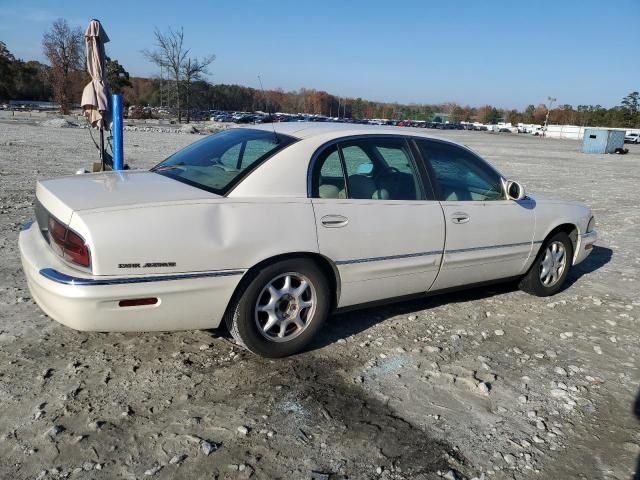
515, 191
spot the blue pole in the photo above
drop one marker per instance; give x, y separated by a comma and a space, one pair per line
118, 150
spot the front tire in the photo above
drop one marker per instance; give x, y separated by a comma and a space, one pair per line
279, 309
550, 268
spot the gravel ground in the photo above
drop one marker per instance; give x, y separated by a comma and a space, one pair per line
486, 383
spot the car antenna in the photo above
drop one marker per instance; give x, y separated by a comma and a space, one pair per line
275, 135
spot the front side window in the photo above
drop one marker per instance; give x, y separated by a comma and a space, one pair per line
459, 174
356, 160
367, 169
218, 162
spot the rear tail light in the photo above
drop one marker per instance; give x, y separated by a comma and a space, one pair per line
68, 244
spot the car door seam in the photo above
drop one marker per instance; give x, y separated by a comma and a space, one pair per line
533, 236
444, 245
315, 216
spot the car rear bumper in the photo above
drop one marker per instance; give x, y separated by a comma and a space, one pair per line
185, 301
584, 246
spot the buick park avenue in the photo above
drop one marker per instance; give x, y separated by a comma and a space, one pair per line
268, 229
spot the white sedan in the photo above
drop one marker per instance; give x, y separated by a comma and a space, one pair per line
270, 228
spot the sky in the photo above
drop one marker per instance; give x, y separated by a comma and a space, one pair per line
474, 52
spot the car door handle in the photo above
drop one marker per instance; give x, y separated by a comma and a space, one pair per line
334, 221
460, 217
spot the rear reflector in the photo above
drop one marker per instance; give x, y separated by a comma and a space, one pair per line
137, 302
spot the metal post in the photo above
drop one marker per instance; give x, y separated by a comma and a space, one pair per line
546, 120
118, 150
101, 149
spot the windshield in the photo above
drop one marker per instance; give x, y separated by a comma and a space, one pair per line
217, 163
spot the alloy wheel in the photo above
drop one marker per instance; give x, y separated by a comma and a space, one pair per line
285, 307
553, 264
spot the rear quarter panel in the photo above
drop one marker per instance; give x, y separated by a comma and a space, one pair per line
195, 236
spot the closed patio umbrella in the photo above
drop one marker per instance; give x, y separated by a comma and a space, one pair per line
95, 96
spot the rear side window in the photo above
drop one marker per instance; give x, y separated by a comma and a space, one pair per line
459, 174
329, 182
219, 162
396, 158
369, 169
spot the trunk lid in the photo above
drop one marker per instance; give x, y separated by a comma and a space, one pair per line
63, 196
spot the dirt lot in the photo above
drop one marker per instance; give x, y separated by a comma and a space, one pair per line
392, 392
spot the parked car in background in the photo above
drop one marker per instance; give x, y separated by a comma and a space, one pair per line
223, 117
268, 229
245, 118
632, 137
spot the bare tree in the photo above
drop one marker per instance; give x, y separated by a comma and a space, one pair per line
192, 71
62, 45
171, 54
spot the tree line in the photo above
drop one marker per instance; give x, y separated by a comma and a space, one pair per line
207, 96
182, 87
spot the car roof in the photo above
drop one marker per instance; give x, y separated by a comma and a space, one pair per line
305, 130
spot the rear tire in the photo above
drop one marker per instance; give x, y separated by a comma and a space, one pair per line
550, 268
279, 309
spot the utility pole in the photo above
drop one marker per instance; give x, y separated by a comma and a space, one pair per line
546, 120
160, 86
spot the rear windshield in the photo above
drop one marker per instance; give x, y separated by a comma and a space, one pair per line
219, 162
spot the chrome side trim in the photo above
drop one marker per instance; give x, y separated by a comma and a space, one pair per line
435, 252
490, 247
390, 257
65, 279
